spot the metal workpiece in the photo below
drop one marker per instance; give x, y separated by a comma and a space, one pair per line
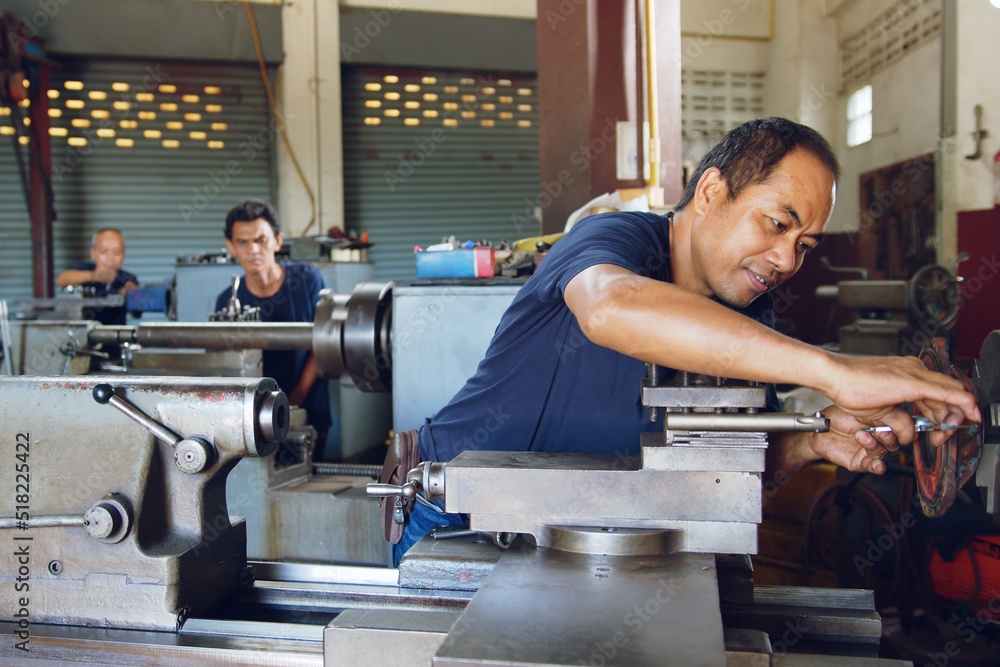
718, 459
158, 543
700, 396
546, 607
987, 477
459, 563
739, 421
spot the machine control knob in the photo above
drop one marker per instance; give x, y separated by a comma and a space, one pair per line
101, 520
192, 455
108, 519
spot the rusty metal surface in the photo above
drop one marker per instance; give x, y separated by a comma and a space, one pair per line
457, 563
703, 397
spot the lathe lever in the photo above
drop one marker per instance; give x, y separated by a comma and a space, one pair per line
104, 394
192, 455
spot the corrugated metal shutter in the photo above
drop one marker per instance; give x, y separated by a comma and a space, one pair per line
15, 228
158, 150
432, 153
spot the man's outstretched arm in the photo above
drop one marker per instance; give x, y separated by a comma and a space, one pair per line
665, 324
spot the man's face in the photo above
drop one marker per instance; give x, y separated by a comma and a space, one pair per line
254, 244
109, 251
744, 247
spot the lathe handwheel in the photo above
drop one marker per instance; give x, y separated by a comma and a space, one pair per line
934, 296
941, 471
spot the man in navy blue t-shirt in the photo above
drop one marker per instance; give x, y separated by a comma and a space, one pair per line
104, 274
284, 292
687, 291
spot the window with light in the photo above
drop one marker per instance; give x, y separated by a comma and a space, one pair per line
859, 116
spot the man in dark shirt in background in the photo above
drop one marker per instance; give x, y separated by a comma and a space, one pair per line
284, 292
103, 275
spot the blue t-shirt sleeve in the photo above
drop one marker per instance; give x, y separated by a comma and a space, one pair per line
613, 238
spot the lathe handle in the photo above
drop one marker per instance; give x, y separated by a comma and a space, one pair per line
104, 393
375, 490
192, 455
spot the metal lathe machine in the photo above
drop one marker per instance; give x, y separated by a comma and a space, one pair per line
123, 546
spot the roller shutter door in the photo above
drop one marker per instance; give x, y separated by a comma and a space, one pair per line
158, 150
429, 154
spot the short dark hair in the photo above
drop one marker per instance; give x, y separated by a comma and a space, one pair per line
249, 210
749, 153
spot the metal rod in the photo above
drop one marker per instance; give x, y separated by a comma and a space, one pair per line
735, 421
5, 334
347, 469
211, 335
43, 521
